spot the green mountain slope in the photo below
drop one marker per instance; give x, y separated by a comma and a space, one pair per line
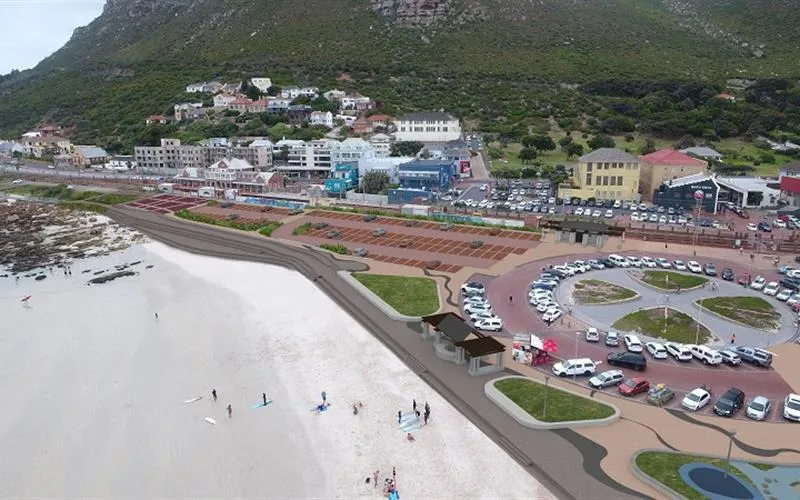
135, 59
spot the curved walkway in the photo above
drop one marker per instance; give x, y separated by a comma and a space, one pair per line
603, 316
564, 461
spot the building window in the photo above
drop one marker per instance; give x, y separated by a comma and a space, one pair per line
619, 180
588, 179
636, 166
588, 167
613, 181
605, 180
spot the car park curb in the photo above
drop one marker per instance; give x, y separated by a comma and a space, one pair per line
644, 477
525, 419
372, 297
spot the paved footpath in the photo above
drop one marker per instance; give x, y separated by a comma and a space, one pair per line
563, 461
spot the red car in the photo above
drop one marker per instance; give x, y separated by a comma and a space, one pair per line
634, 386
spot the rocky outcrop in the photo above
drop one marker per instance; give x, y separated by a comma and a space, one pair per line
408, 13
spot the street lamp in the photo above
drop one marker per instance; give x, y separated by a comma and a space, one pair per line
731, 433
698, 196
575, 372
544, 406
697, 334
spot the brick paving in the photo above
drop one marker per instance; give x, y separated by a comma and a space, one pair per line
167, 203
248, 213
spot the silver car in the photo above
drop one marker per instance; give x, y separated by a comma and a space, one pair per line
759, 408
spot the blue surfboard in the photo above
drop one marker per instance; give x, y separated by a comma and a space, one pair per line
260, 404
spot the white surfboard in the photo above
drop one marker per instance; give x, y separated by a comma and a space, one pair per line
210, 420
192, 400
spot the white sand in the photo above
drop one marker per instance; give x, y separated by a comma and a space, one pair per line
93, 389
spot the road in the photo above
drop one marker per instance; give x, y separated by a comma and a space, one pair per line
479, 171
563, 461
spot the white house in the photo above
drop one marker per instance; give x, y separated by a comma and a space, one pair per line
356, 101
209, 87
334, 95
427, 127
322, 118
185, 109
223, 100
351, 149
295, 92
382, 144
261, 83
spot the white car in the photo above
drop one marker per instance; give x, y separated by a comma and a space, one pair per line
635, 217
696, 400
473, 288
682, 219
759, 408
478, 316
545, 305
648, 262
642, 207
592, 335
484, 187
489, 325
612, 339
607, 379
758, 283
17, 181
752, 227
678, 351
597, 213
784, 294
551, 315
694, 267
579, 211
791, 407
658, 351
678, 265
583, 366
475, 300
609, 214
632, 343
565, 269
771, 288
663, 263
779, 223
473, 308
794, 299
635, 262
793, 273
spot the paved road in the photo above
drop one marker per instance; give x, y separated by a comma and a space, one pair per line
565, 462
479, 171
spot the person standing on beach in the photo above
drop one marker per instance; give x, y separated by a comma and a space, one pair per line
214, 394
324, 396
156, 315
427, 407
230, 411
375, 478
414, 404
425, 416
264, 398
399, 416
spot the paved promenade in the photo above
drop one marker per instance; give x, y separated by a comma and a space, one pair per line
564, 461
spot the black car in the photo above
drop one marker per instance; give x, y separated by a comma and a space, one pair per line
632, 360
727, 274
729, 403
763, 226
791, 283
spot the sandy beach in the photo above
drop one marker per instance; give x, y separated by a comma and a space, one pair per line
94, 388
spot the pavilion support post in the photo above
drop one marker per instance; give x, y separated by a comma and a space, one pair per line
500, 364
426, 331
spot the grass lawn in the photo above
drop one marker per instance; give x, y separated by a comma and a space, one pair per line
739, 152
561, 406
664, 467
408, 295
61, 192
678, 327
669, 280
600, 292
752, 311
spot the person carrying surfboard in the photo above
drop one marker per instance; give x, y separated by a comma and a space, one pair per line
264, 398
214, 394
230, 411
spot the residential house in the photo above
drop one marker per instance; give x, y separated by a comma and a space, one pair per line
278, 106
50, 130
323, 118
427, 127
679, 193
307, 160
259, 155
231, 88
664, 165
334, 95
362, 126
42, 146
9, 148
725, 97
156, 120
261, 83
605, 174
390, 165
229, 176
350, 150
429, 175
346, 119
356, 102
749, 192
382, 144
86, 156
121, 162
295, 92
223, 100
299, 113
206, 87
343, 177
241, 105
187, 110
379, 120
703, 152
780, 147
259, 106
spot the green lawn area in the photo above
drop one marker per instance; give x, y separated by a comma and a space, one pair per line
752, 311
561, 406
63, 193
669, 280
664, 467
600, 292
411, 296
678, 327
739, 152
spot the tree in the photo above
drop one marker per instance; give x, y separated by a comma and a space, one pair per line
564, 141
601, 141
649, 147
274, 90
253, 92
374, 182
528, 154
406, 148
573, 149
543, 143
687, 141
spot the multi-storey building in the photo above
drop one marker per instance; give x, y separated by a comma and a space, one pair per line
665, 165
171, 154
427, 127
307, 160
605, 174
350, 150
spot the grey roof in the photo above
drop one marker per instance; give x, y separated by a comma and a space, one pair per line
92, 151
608, 155
689, 179
702, 152
427, 115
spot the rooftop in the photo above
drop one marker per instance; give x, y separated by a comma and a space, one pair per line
744, 184
689, 179
790, 184
427, 115
608, 155
91, 151
231, 164
669, 156
702, 152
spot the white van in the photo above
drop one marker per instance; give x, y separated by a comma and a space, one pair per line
619, 260
706, 355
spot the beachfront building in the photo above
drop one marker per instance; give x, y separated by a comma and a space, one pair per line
750, 192
382, 144
343, 177
351, 149
680, 193
46, 145
664, 165
306, 160
455, 340
171, 154
429, 175
427, 127
86, 156
389, 165
229, 176
605, 174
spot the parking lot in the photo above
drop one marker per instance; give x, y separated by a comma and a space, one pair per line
167, 203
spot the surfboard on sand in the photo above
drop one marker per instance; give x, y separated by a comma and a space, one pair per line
192, 400
260, 404
210, 420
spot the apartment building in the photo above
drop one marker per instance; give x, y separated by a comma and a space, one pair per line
605, 174
307, 160
171, 154
427, 127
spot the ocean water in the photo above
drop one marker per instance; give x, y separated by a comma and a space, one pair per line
94, 388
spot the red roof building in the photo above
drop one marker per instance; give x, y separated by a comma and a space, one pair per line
379, 120
790, 190
664, 165
152, 119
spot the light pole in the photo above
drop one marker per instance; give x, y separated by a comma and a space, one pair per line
697, 334
544, 406
698, 196
731, 433
575, 372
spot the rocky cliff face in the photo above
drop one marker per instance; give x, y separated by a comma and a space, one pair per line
410, 13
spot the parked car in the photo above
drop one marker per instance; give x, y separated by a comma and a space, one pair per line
660, 395
632, 343
551, 315
582, 366
729, 403
470, 308
727, 274
710, 269
784, 295
771, 288
758, 283
543, 307
663, 263
752, 227
754, 355
635, 261
678, 265
678, 351
489, 324
473, 287
592, 335
791, 407
705, 354
657, 350
596, 264
765, 227
634, 386
759, 408
791, 283
612, 339
696, 400
648, 262
694, 266
633, 360
730, 357
606, 379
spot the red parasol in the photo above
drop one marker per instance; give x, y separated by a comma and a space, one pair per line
550, 346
